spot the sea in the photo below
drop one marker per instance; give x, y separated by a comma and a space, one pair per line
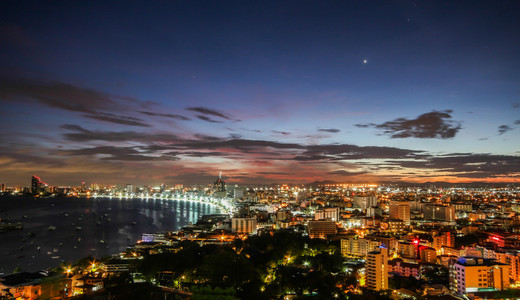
62, 230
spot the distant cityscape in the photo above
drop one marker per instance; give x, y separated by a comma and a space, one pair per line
388, 241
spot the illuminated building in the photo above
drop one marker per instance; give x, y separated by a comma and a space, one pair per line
428, 254
2, 187
377, 269
330, 213
220, 185
364, 202
439, 212
401, 268
474, 274
243, 225
321, 229
400, 210
358, 246
445, 239
407, 250
129, 189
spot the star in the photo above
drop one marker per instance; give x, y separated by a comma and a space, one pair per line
365, 61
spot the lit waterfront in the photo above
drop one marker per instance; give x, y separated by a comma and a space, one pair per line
86, 226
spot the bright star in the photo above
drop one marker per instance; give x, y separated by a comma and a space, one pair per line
365, 61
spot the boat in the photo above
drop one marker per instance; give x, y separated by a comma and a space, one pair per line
55, 257
51, 228
79, 228
134, 223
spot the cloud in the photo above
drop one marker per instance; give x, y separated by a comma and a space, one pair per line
471, 165
93, 104
503, 129
57, 95
172, 116
207, 119
517, 122
516, 105
81, 134
117, 119
347, 173
118, 154
208, 111
331, 130
435, 124
281, 132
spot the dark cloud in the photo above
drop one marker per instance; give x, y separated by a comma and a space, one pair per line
117, 119
347, 151
207, 119
92, 103
73, 127
208, 111
517, 122
347, 173
435, 124
516, 105
203, 137
81, 134
240, 144
118, 154
235, 136
473, 165
172, 116
281, 132
331, 130
503, 129
57, 95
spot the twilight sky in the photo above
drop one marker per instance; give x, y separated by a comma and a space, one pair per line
281, 91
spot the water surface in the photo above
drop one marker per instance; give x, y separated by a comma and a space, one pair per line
85, 226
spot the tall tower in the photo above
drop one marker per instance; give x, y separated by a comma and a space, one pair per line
377, 269
220, 185
35, 185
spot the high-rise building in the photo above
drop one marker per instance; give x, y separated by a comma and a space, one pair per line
129, 189
473, 274
36, 185
400, 210
377, 269
2, 187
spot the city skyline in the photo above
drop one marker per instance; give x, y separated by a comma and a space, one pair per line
264, 92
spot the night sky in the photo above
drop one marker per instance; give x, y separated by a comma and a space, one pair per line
284, 91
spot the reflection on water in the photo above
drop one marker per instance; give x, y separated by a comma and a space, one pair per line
84, 226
